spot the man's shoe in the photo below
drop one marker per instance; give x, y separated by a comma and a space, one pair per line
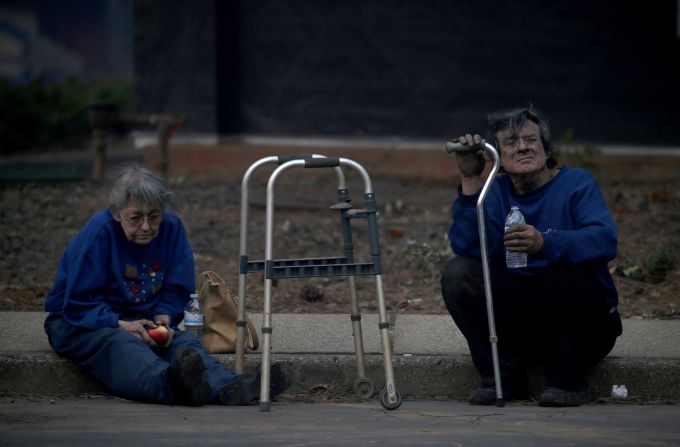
557, 397
185, 379
486, 395
245, 389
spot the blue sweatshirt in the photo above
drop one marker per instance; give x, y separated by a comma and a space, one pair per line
570, 212
102, 277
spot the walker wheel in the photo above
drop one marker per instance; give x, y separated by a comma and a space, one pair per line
363, 388
389, 405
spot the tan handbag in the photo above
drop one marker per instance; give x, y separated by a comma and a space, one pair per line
220, 312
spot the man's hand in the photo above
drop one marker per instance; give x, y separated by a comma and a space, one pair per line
471, 163
523, 238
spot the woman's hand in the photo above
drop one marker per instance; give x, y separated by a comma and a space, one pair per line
138, 329
164, 320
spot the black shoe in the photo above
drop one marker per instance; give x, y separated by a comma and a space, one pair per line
557, 397
486, 394
245, 389
278, 382
185, 379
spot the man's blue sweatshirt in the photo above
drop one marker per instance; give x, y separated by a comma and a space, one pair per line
570, 211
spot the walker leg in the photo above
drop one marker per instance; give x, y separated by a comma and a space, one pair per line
363, 387
265, 368
239, 361
390, 398
356, 329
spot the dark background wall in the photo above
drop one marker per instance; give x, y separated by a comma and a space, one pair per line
52, 40
608, 71
175, 60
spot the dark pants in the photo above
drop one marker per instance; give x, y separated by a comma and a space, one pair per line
562, 320
125, 364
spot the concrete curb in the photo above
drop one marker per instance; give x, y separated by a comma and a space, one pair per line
430, 358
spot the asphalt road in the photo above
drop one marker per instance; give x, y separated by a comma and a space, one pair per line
113, 422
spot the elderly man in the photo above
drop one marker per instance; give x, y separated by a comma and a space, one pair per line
560, 311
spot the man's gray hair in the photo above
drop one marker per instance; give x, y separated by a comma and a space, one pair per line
141, 186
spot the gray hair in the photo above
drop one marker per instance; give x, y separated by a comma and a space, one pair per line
141, 186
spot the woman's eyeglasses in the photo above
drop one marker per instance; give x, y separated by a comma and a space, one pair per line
137, 220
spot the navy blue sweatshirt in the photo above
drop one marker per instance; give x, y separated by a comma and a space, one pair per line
102, 277
570, 211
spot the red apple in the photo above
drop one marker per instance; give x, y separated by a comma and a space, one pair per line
159, 334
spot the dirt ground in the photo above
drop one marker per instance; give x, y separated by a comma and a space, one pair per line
38, 218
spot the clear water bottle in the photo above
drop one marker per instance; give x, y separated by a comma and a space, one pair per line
513, 259
193, 317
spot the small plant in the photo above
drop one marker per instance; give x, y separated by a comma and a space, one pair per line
658, 265
653, 269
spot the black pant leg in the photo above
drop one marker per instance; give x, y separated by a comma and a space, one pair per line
580, 325
464, 295
562, 319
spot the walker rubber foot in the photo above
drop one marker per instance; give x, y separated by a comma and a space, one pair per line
264, 407
500, 403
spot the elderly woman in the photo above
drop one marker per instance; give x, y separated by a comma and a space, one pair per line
131, 268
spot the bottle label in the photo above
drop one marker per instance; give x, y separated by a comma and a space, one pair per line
193, 319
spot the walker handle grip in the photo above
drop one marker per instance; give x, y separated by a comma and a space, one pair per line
329, 162
281, 159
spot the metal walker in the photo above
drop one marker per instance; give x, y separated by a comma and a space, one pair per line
390, 399
493, 338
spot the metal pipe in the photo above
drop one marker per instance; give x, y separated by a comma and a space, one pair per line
493, 338
267, 312
368, 185
239, 362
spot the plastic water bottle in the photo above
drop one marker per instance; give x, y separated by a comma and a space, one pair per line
193, 317
514, 259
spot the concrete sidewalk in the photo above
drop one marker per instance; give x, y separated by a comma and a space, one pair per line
430, 357
110, 422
